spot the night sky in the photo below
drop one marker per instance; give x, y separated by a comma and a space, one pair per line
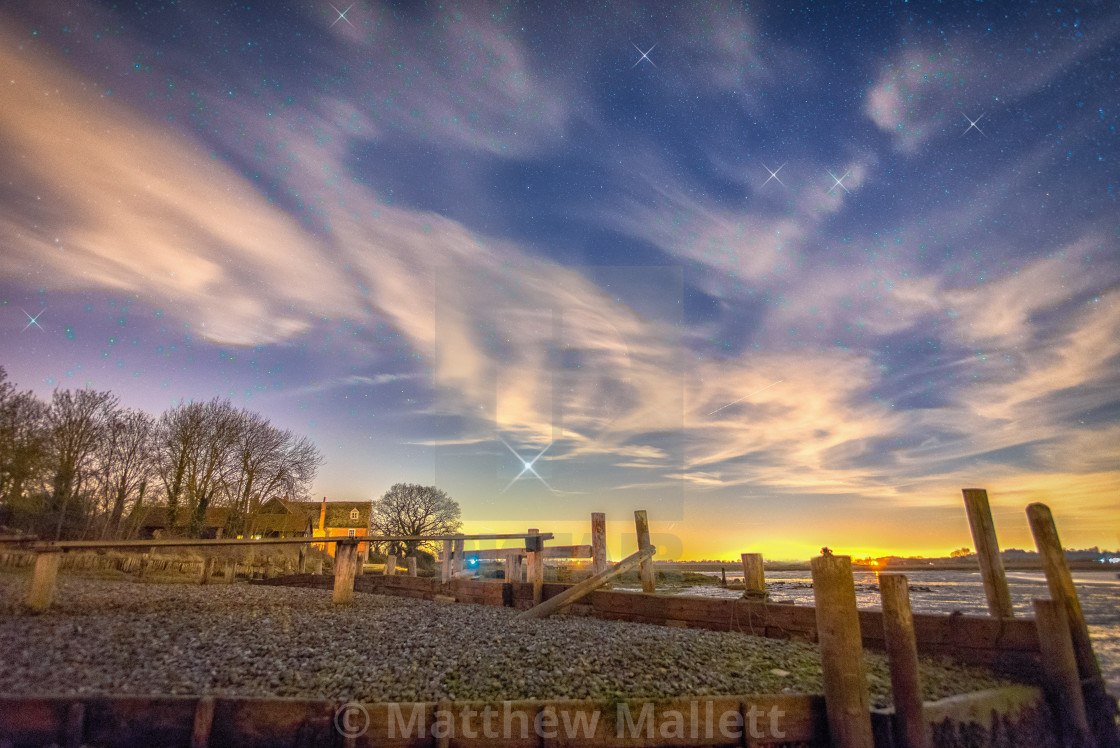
783, 275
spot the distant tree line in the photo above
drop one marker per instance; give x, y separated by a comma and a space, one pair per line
81, 466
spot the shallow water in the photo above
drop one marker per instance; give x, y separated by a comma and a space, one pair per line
946, 591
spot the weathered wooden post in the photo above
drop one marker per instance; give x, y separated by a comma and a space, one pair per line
754, 577
207, 570
1101, 707
345, 567
598, 542
145, 562
910, 727
445, 562
645, 571
513, 566
390, 565
43, 581
1062, 683
302, 567
410, 563
535, 572
987, 549
319, 565
359, 560
847, 701
459, 561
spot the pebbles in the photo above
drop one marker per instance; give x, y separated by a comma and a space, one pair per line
120, 638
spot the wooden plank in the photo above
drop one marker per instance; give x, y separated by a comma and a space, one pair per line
44, 580
458, 560
410, 565
207, 570
1101, 706
551, 551
390, 565
548, 607
1062, 682
646, 571
911, 730
203, 722
847, 701
599, 558
987, 550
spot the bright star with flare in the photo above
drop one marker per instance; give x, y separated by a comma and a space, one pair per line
972, 124
645, 55
527, 466
33, 321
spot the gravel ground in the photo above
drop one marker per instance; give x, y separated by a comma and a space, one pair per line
107, 637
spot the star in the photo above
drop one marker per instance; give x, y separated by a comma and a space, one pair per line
341, 14
839, 182
527, 466
34, 321
645, 56
972, 124
773, 175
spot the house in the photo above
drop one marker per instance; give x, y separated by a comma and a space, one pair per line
339, 519
278, 518
153, 522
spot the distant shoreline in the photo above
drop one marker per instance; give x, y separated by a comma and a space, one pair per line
733, 567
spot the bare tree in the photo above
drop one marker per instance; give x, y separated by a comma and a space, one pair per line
126, 463
409, 509
76, 420
23, 440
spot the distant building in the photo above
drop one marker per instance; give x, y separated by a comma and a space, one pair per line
154, 522
339, 519
277, 518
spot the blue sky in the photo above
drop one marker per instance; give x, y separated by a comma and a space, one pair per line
766, 281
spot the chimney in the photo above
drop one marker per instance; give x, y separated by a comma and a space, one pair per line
323, 514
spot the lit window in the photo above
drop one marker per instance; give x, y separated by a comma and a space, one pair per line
352, 533
354, 514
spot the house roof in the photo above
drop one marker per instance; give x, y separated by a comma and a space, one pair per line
338, 512
265, 522
155, 517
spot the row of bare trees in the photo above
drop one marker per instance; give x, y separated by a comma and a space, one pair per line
83, 466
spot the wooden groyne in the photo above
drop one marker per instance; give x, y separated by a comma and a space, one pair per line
1072, 708
1015, 716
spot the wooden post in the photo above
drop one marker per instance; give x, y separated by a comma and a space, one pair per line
410, 563
145, 562
43, 581
910, 727
598, 542
445, 562
641, 524
302, 568
1062, 682
390, 565
459, 561
845, 683
345, 566
359, 560
73, 730
754, 578
207, 570
987, 549
570, 595
319, 565
1100, 705
203, 722
513, 566
535, 571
